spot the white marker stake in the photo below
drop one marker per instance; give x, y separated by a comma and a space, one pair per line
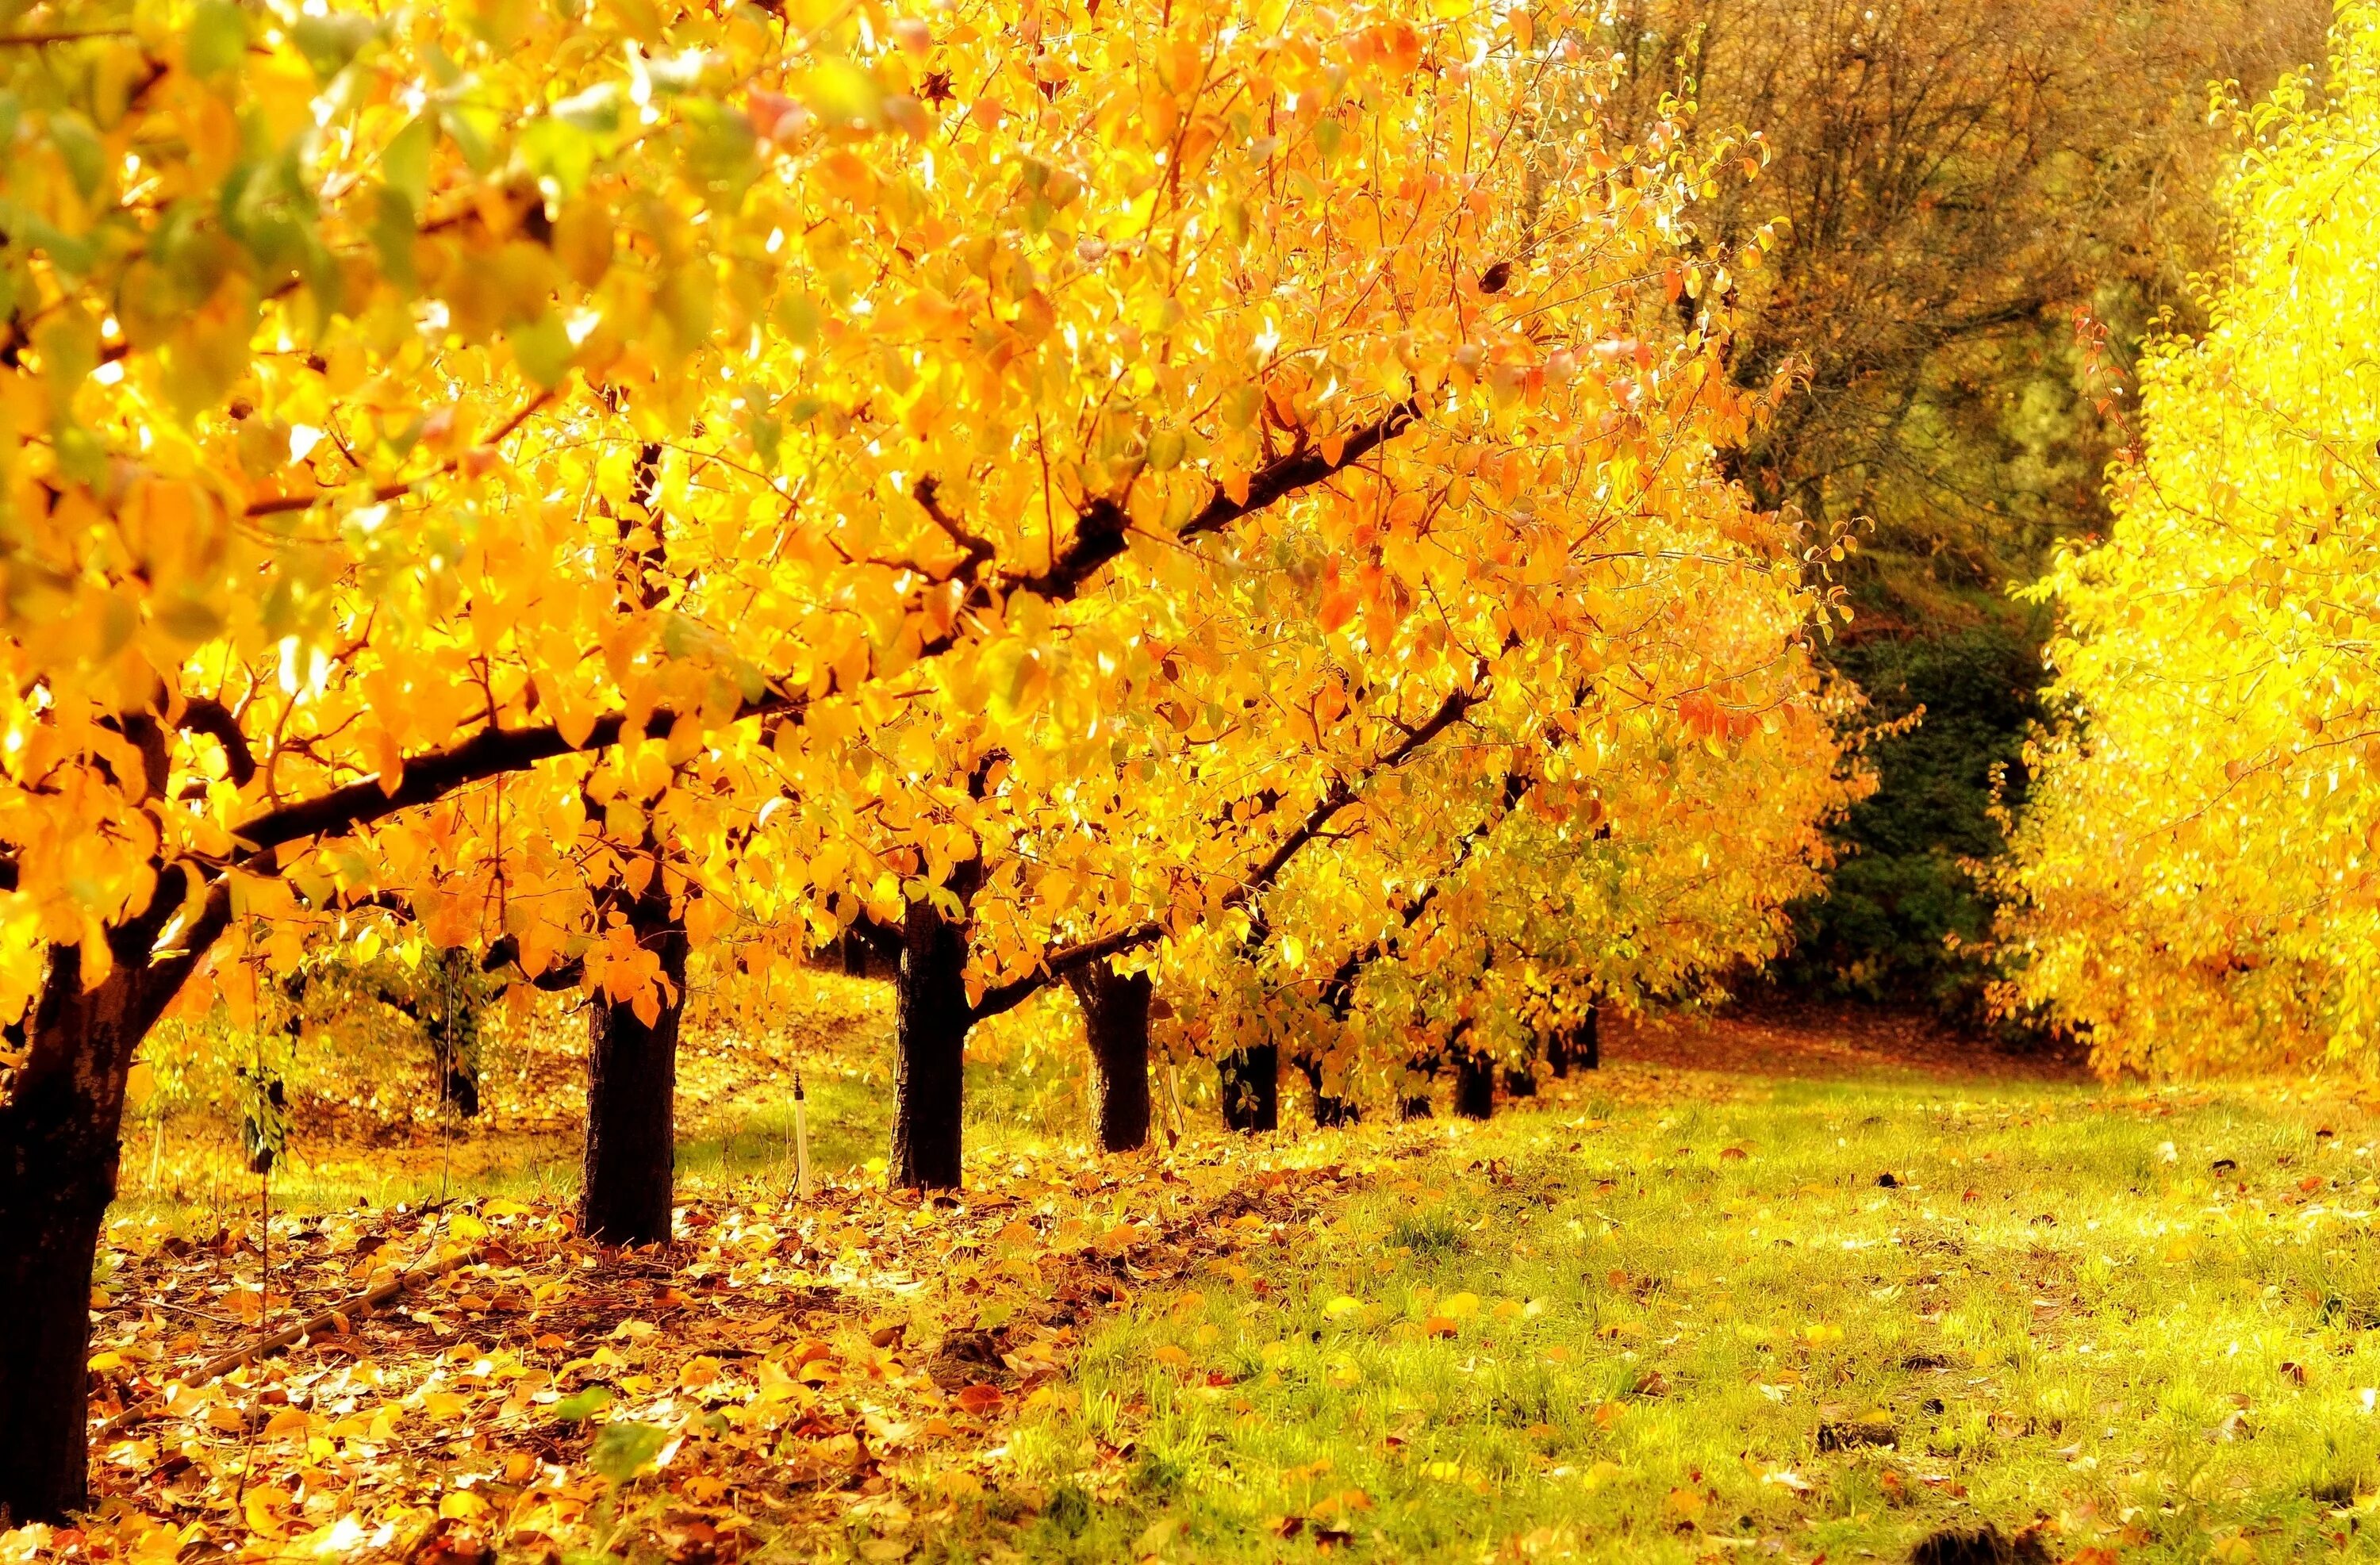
801, 1141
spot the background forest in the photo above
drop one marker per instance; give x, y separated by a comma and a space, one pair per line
1992, 208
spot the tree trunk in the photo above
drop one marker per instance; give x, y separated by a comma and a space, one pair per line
1330, 1109
1250, 1088
931, 1018
1519, 1081
1421, 1076
1586, 1041
456, 1045
59, 1147
631, 1158
1474, 1085
1115, 1015
1557, 1052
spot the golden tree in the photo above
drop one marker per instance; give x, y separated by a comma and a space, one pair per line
524, 467
2193, 883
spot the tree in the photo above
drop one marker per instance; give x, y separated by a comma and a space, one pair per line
1632, 850
2192, 885
337, 354
1983, 211
1955, 179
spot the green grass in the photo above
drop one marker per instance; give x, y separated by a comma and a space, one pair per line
2058, 1312
735, 1114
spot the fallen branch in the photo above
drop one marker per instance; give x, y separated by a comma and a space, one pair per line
371, 1299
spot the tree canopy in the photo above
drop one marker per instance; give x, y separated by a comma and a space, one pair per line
2192, 884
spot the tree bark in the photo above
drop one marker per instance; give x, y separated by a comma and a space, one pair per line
1519, 1081
1115, 1015
1420, 1078
59, 1148
631, 1157
1475, 1085
1331, 1110
1250, 1088
1587, 1040
456, 1045
931, 1016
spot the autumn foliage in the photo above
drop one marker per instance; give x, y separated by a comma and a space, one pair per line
1179, 491
2194, 884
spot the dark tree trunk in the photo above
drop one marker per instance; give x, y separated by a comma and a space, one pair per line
631, 1160
60, 1143
1330, 1109
1557, 1052
1519, 1081
455, 1044
1250, 1088
1586, 1041
1115, 1015
931, 1018
1421, 1073
855, 956
1474, 1085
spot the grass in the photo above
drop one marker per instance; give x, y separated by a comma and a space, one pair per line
1659, 1315
363, 1134
1681, 1329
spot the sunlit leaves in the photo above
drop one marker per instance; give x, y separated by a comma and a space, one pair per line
2193, 885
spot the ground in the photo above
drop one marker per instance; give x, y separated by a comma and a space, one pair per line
1797, 1287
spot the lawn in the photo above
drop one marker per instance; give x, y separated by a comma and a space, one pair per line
1752, 1291
1722, 1317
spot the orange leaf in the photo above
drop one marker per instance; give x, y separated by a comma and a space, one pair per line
979, 1398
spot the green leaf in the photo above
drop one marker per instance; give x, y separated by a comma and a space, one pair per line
392, 232
543, 348
405, 161
560, 150
189, 618
330, 43
622, 1449
721, 145
595, 111
581, 1405
473, 127
217, 39
79, 149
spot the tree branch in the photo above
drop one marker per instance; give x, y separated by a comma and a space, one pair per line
1339, 990
1301, 468
1057, 964
1099, 537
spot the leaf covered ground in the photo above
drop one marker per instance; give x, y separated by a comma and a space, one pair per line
1753, 1291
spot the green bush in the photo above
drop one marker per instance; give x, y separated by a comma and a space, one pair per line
1902, 917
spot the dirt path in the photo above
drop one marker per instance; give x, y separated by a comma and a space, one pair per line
1818, 1042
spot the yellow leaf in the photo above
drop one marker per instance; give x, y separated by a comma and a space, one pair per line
462, 1505
262, 1505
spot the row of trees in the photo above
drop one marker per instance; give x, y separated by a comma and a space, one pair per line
2193, 886
1212, 503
